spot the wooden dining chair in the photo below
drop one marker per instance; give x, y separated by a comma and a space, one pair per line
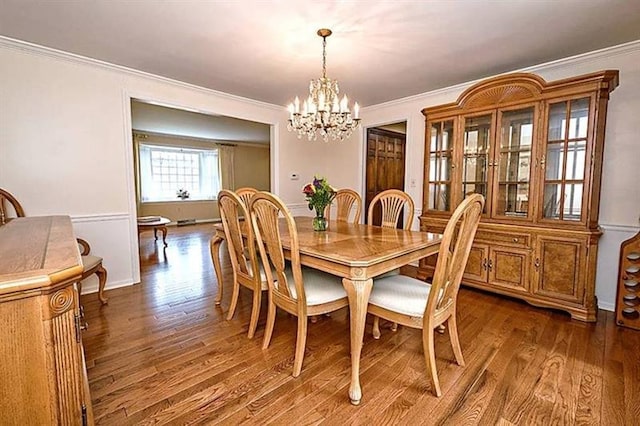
303, 292
245, 194
417, 304
7, 200
392, 201
346, 200
91, 265
247, 271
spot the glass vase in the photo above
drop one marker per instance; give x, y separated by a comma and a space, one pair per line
320, 222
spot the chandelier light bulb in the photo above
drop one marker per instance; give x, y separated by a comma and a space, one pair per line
323, 112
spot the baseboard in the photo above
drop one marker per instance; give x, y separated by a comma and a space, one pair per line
92, 287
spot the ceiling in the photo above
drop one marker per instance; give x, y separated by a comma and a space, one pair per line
269, 50
146, 117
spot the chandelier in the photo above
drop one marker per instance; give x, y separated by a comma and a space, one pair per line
323, 112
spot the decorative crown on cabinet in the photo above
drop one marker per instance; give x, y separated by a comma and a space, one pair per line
534, 150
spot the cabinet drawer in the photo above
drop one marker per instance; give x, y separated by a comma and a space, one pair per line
509, 239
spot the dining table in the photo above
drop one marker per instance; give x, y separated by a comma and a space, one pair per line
355, 252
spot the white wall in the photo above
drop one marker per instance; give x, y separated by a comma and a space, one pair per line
65, 141
620, 199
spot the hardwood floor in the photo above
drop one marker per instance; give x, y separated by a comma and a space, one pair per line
161, 352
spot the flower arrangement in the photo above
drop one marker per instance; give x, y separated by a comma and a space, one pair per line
182, 193
319, 194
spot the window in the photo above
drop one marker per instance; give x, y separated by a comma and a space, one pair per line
164, 170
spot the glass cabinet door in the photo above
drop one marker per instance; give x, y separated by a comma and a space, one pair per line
513, 163
564, 161
475, 156
440, 165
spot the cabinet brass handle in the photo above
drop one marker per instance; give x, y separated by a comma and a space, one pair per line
515, 240
484, 264
490, 264
537, 263
543, 160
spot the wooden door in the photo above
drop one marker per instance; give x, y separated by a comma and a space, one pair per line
385, 165
560, 266
477, 264
509, 268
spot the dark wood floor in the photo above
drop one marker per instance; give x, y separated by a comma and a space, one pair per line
161, 352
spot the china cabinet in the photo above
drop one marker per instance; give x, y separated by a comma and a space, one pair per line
43, 372
534, 150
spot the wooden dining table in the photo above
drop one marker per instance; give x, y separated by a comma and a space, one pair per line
355, 252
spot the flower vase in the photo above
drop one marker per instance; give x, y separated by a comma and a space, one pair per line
320, 222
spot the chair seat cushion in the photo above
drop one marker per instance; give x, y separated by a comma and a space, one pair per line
402, 294
89, 261
319, 286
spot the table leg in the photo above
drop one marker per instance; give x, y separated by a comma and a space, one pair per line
164, 235
358, 293
155, 233
215, 244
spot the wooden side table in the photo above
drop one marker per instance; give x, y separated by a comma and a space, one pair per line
160, 224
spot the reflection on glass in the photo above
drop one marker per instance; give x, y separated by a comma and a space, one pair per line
557, 120
513, 199
575, 160
475, 155
514, 165
566, 159
552, 196
579, 118
440, 165
554, 161
572, 202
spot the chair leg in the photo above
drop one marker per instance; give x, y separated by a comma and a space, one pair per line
394, 326
271, 320
430, 358
301, 342
455, 341
234, 298
255, 312
376, 327
79, 285
102, 280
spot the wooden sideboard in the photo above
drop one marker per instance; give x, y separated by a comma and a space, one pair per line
43, 377
534, 149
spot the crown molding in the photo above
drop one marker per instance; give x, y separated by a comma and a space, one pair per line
32, 48
607, 52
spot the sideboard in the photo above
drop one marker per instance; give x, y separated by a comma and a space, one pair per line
43, 376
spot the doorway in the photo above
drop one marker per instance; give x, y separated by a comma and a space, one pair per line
385, 166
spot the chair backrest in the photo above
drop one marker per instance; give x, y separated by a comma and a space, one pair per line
6, 199
346, 199
245, 195
242, 251
392, 201
453, 255
266, 209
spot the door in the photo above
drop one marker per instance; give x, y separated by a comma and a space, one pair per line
385, 164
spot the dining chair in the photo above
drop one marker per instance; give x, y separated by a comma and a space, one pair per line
303, 292
6, 199
346, 200
242, 251
91, 265
425, 306
392, 201
245, 194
